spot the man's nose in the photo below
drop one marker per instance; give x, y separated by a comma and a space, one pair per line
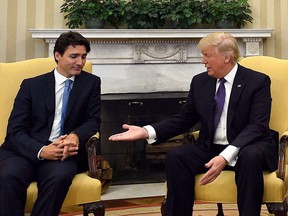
203, 60
80, 61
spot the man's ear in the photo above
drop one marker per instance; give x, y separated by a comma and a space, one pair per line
227, 58
57, 55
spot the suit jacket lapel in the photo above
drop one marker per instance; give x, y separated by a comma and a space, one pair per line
237, 89
50, 95
50, 91
75, 92
210, 102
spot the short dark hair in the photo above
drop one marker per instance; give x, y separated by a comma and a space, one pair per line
70, 38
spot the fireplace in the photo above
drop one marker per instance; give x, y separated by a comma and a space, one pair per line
145, 76
137, 162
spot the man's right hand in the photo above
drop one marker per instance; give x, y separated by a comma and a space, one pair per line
52, 151
132, 133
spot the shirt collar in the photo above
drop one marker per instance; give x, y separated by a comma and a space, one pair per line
59, 78
231, 75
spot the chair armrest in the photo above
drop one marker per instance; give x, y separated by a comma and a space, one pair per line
282, 156
195, 134
98, 168
192, 137
93, 159
282, 152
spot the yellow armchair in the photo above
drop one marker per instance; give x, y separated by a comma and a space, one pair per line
85, 190
275, 183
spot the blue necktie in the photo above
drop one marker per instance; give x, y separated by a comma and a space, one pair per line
219, 99
65, 100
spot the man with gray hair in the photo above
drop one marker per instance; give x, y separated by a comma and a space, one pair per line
233, 104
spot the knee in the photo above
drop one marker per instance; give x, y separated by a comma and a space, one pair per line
250, 156
5, 178
9, 181
62, 179
174, 154
176, 158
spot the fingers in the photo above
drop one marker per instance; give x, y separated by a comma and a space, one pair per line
69, 151
67, 142
115, 137
208, 177
59, 140
60, 151
215, 166
125, 126
65, 152
51, 152
208, 165
69, 146
119, 136
132, 133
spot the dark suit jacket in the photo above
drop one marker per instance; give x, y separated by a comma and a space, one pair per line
31, 119
248, 113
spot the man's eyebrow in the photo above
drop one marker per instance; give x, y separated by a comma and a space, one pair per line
78, 54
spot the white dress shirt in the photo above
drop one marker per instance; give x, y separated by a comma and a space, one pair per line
59, 90
230, 153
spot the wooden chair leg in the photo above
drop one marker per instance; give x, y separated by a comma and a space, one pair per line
220, 209
219, 205
278, 209
96, 208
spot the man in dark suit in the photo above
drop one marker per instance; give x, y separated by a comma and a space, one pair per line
240, 139
39, 145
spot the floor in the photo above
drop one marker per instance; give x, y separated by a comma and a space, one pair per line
132, 191
133, 194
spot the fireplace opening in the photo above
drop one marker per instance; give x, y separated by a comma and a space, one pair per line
137, 162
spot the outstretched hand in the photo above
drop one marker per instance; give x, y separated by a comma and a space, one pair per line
132, 133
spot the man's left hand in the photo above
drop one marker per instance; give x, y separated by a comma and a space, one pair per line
70, 146
215, 165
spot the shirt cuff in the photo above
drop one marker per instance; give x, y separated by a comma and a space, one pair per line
38, 155
230, 153
151, 134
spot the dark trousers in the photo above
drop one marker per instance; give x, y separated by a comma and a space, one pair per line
184, 162
53, 181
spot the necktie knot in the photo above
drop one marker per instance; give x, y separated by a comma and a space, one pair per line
222, 80
68, 84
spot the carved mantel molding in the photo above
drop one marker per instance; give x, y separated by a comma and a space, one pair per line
150, 60
128, 46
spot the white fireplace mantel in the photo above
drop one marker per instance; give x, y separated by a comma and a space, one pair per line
151, 33
168, 55
161, 43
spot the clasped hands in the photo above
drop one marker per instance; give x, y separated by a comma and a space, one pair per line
62, 148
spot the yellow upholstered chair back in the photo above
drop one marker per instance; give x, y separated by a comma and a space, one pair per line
11, 76
84, 189
277, 70
223, 188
